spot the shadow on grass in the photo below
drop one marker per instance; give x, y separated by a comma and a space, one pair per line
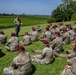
53, 60
34, 69
2, 54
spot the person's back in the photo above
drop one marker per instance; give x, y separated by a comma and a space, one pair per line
12, 43
23, 64
57, 43
48, 34
72, 35
26, 40
34, 35
13, 40
66, 38
48, 54
3, 38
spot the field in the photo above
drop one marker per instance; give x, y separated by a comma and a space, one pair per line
54, 68
7, 21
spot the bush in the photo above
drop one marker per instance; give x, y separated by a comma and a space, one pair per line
73, 18
51, 20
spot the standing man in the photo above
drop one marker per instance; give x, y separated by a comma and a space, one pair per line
17, 22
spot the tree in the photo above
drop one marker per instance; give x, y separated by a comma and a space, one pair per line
66, 2
64, 11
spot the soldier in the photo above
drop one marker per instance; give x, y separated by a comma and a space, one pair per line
26, 39
52, 32
38, 28
72, 33
50, 26
56, 28
47, 34
17, 22
3, 38
21, 65
65, 36
69, 69
34, 34
71, 55
57, 43
45, 56
12, 43
60, 26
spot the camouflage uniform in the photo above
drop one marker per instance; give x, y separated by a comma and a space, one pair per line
57, 44
38, 28
72, 35
3, 39
45, 57
52, 33
21, 65
66, 72
66, 38
13, 41
26, 40
71, 58
48, 35
34, 35
71, 70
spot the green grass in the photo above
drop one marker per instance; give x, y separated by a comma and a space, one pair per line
54, 68
7, 21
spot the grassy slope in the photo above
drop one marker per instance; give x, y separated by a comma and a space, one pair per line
52, 69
